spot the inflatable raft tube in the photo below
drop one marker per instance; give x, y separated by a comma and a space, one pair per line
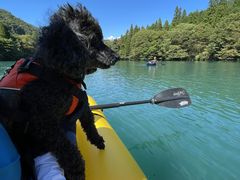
115, 161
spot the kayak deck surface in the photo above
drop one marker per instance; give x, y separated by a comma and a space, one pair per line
115, 161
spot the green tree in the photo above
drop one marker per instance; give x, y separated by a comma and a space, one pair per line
166, 25
227, 36
4, 32
145, 44
8, 51
177, 16
184, 14
159, 25
136, 29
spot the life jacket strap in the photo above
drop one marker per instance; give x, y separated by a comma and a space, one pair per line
25, 66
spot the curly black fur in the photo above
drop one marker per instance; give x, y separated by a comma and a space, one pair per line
71, 46
73, 43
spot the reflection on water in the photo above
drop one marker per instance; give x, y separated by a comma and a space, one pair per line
198, 142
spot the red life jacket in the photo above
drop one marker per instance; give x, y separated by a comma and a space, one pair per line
14, 79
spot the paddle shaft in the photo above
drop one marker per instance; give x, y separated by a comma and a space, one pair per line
119, 104
113, 105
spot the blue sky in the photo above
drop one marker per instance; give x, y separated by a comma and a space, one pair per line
115, 17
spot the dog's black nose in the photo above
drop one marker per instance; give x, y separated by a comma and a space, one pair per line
115, 59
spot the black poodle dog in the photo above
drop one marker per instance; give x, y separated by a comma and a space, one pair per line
68, 48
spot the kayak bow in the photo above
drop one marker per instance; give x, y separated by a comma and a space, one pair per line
115, 162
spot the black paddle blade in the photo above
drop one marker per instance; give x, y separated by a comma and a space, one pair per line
172, 98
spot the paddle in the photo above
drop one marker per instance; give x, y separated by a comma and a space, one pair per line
171, 98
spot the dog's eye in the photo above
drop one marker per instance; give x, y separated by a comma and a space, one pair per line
86, 43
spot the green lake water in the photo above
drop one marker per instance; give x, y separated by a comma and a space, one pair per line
198, 142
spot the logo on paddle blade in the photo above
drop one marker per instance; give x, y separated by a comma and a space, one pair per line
179, 93
183, 103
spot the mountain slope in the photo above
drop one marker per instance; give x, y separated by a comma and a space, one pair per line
15, 25
17, 38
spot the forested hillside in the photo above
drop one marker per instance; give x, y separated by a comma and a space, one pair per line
17, 38
208, 35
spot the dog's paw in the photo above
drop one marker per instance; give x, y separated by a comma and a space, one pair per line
100, 142
101, 146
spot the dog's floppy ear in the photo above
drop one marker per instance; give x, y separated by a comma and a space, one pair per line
60, 49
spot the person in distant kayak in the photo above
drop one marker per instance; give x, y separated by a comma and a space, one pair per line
154, 60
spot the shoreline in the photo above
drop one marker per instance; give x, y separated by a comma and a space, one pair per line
237, 60
209, 61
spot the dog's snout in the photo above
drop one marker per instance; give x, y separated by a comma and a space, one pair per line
115, 59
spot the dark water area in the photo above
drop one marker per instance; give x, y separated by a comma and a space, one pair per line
201, 141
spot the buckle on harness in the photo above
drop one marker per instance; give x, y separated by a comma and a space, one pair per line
25, 66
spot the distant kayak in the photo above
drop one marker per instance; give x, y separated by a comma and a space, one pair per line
152, 63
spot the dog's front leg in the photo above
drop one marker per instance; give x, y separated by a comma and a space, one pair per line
87, 122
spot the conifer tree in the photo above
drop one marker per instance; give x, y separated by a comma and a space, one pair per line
177, 16
184, 14
166, 25
136, 29
159, 24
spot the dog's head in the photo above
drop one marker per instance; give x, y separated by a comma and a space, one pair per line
73, 44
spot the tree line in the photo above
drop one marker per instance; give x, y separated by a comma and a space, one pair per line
208, 35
